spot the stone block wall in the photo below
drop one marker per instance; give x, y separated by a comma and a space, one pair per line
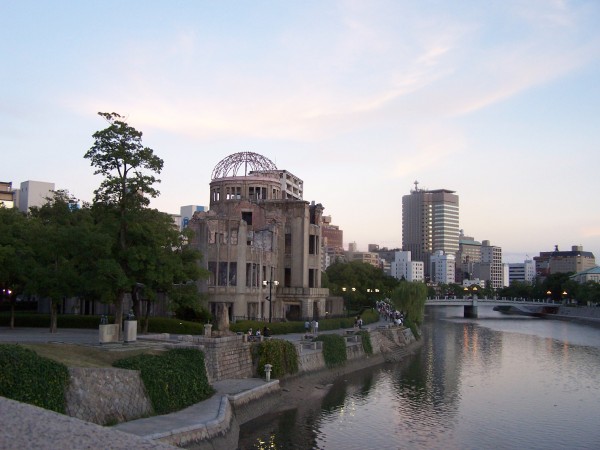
106, 395
226, 357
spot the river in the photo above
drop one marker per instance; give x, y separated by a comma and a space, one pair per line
496, 382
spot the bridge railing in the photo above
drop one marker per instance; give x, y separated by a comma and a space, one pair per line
496, 299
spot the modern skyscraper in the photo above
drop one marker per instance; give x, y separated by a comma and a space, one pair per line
429, 223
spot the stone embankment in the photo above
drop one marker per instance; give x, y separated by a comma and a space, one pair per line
107, 396
586, 314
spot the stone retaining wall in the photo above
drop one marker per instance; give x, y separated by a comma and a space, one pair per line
580, 312
225, 358
106, 395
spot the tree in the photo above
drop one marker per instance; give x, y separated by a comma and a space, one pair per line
129, 171
410, 297
370, 283
161, 262
58, 233
15, 256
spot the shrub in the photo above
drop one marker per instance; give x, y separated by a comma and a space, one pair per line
281, 354
29, 378
174, 380
334, 349
365, 337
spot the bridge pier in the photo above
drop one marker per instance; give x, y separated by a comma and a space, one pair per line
470, 311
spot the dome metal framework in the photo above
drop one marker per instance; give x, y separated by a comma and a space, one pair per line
246, 161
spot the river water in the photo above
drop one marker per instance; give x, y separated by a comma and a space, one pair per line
496, 382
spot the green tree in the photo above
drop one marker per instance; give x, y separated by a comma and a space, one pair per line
370, 283
161, 262
15, 256
58, 234
410, 297
129, 171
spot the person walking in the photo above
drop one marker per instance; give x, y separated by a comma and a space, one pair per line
316, 327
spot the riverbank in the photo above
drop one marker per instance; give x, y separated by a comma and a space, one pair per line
214, 423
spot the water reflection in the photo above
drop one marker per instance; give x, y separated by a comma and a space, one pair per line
491, 382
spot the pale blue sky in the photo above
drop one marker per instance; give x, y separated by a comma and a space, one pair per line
497, 100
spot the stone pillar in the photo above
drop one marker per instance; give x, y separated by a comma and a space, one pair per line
130, 331
208, 329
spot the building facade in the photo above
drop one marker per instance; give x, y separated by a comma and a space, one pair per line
490, 268
430, 224
33, 193
261, 247
6, 194
522, 272
558, 261
333, 243
402, 267
442, 268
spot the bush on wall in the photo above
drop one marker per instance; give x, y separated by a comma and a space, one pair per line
29, 378
174, 380
281, 354
334, 349
365, 337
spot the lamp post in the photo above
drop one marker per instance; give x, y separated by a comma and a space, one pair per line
549, 294
348, 306
564, 294
270, 283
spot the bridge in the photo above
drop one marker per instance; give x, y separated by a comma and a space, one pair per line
519, 306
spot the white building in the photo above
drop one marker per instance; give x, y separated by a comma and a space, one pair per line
523, 272
33, 193
442, 268
403, 267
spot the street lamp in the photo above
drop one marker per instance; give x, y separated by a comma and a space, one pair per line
348, 306
564, 294
270, 283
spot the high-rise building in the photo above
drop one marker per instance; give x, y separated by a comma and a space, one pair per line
430, 224
469, 254
490, 268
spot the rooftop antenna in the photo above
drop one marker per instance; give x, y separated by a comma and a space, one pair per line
416, 186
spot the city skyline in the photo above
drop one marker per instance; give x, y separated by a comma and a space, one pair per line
497, 102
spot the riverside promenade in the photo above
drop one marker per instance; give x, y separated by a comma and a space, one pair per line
26, 426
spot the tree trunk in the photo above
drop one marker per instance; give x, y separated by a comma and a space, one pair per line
12, 315
119, 312
135, 302
146, 317
53, 317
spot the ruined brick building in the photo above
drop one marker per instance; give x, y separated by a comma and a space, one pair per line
260, 238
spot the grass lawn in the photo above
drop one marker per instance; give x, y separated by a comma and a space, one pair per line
84, 356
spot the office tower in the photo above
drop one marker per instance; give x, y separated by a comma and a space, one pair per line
429, 224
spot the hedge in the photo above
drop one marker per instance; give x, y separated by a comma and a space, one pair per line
155, 325
29, 378
365, 337
174, 380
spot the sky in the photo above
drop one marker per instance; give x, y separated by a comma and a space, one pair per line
498, 101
